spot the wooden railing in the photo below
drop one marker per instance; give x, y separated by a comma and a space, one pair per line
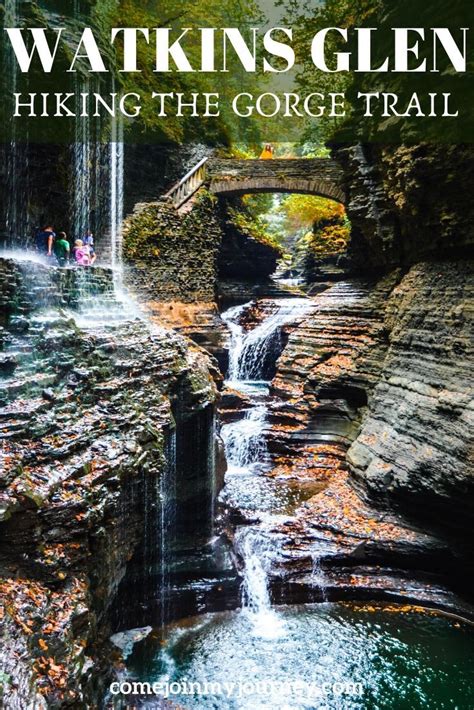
187, 186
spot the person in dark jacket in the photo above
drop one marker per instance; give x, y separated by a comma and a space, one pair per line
44, 241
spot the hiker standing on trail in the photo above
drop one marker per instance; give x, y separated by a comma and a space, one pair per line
88, 240
44, 241
267, 152
62, 249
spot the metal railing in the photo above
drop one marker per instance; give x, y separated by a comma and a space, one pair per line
187, 186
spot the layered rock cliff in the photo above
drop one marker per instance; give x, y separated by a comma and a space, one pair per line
94, 402
408, 203
376, 383
373, 399
415, 445
181, 263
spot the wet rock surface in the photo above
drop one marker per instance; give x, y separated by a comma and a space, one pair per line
331, 364
415, 446
199, 321
366, 386
89, 412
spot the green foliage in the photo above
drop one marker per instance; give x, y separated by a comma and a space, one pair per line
244, 220
308, 225
302, 211
258, 204
306, 22
141, 235
147, 232
178, 14
329, 237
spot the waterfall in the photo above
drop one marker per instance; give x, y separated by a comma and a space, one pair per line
231, 318
82, 170
318, 578
17, 219
167, 527
116, 158
244, 441
250, 351
98, 184
250, 354
211, 467
257, 551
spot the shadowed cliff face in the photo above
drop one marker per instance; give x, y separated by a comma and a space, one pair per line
408, 203
181, 255
415, 445
384, 367
373, 398
93, 401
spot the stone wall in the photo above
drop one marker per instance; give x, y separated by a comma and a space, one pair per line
171, 256
26, 286
151, 169
181, 255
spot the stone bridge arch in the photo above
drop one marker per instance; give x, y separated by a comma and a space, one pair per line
312, 176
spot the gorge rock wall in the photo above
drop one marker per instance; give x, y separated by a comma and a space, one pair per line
373, 399
383, 364
172, 256
87, 427
408, 203
181, 255
331, 364
415, 445
181, 263
383, 367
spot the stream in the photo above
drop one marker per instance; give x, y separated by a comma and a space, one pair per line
267, 656
199, 614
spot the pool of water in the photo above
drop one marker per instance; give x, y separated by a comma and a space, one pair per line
321, 656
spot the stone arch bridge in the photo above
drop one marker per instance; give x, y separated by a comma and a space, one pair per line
230, 176
312, 176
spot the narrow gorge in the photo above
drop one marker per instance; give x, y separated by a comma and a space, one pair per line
193, 461
236, 448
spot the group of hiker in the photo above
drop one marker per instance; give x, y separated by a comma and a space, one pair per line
57, 246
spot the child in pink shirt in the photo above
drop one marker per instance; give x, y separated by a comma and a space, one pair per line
82, 253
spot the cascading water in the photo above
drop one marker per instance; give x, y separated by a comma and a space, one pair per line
318, 578
82, 170
244, 441
98, 169
258, 552
16, 153
116, 158
167, 527
250, 351
247, 454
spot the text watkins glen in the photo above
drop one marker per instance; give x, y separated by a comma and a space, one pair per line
227, 50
